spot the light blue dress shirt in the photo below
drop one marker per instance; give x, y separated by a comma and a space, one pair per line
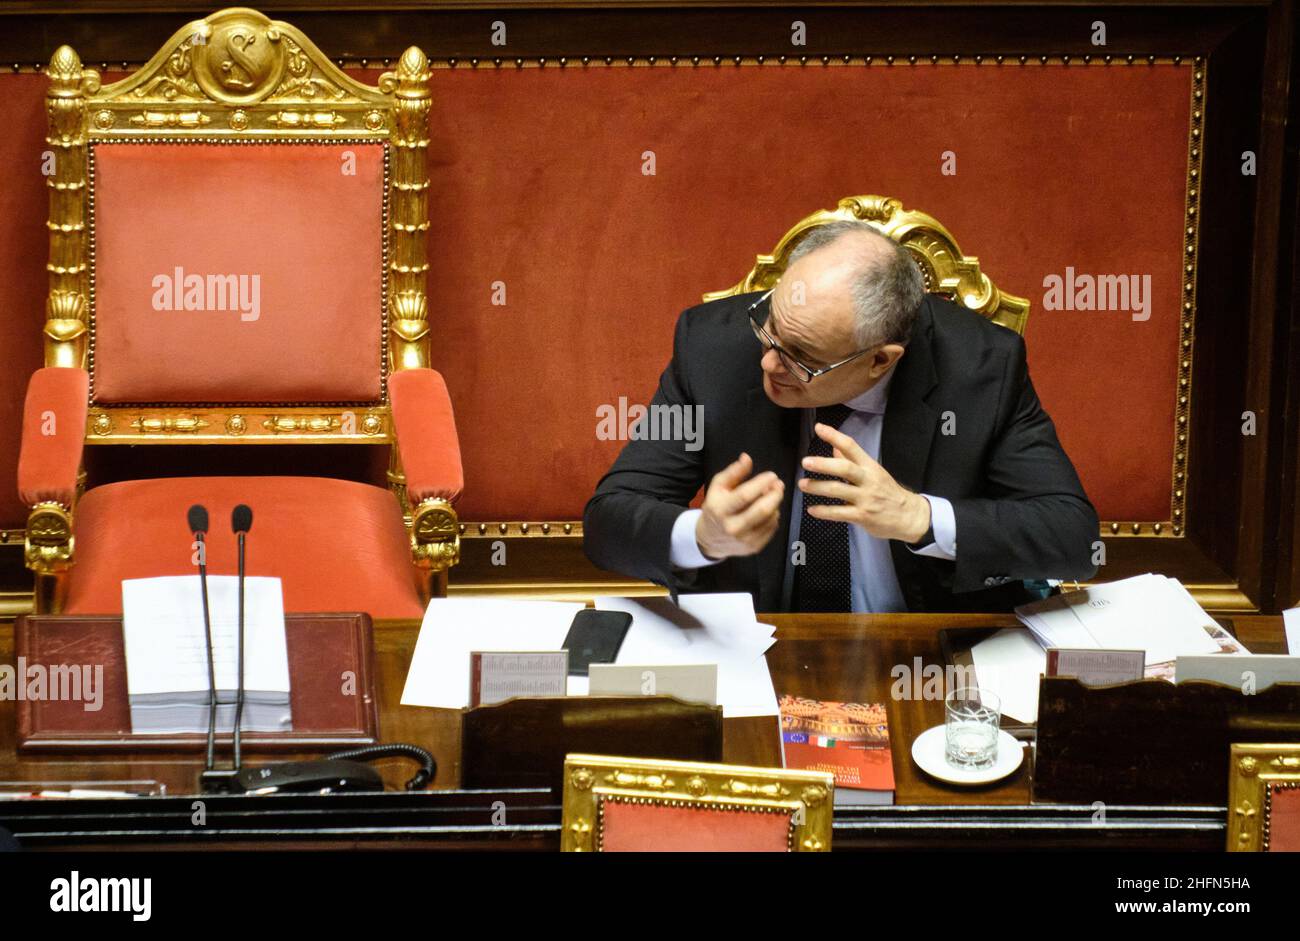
874, 583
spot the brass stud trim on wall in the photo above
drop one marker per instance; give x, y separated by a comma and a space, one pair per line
696, 61
515, 528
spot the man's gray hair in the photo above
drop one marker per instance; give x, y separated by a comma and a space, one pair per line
887, 291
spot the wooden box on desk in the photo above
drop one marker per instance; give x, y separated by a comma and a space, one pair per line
1150, 741
331, 687
523, 742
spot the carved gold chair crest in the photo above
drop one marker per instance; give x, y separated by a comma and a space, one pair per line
945, 269
237, 257
637, 804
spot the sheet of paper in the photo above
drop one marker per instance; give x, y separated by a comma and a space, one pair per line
453, 627
701, 629
1009, 663
166, 650
689, 682
707, 628
1291, 623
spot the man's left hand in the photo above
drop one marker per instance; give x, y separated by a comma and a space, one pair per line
870, 497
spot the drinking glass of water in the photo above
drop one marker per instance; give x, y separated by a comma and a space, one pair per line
971, 721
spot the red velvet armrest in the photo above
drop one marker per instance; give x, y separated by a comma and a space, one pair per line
426, 434
54, 433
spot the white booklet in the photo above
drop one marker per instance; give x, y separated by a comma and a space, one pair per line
167, 662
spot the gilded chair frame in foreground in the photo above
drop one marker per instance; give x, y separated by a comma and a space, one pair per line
205, 85
1255, 772
806, 797
946, 270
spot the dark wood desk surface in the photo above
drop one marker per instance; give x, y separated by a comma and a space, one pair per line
834, 657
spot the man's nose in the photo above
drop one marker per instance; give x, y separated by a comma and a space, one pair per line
771, 362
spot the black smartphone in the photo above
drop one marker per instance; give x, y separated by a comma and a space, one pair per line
595, 637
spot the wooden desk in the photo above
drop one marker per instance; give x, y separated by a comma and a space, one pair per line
835, 657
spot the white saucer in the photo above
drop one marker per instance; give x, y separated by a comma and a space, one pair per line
928, 752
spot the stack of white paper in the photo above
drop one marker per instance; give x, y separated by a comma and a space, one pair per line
455, 627
1151, 613
719, 629
167, 660
709, 628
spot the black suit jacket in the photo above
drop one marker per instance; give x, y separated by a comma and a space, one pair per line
1021, 512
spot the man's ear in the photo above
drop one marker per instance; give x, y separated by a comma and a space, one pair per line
884, 358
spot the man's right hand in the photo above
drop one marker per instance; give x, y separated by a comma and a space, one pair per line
739, 516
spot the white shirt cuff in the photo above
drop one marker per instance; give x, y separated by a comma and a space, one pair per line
684, 552
944, 523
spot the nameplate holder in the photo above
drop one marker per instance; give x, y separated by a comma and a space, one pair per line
1096, 667
498, 675
689, 682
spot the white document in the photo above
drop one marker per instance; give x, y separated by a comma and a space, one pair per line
1010, 664
166, 650
1291, 622
705, 628
453, 627
1149, 612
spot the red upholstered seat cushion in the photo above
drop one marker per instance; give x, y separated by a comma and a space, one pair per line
337, 545
1284, 819
656, 828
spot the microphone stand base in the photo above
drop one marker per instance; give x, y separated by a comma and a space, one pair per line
225, 781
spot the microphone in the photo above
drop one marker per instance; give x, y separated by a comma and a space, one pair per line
241, 521
340, 772
198, 521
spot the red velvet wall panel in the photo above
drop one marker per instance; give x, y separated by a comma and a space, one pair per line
538, 188
538, 184
24, 246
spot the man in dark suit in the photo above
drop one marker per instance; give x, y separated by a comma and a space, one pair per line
854, 430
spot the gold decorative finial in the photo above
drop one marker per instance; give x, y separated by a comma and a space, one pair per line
65, 63
411, 78
414, 65
67, 77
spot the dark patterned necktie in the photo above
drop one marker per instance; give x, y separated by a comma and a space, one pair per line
822, 582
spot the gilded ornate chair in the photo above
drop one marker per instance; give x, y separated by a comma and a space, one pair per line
946, 270
1264, 799
237, 257
645, 805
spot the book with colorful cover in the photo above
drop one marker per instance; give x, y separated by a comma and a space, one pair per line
848, 739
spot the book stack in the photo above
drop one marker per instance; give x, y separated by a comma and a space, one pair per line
167, 659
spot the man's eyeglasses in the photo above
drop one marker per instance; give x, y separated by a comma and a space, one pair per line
793, 366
